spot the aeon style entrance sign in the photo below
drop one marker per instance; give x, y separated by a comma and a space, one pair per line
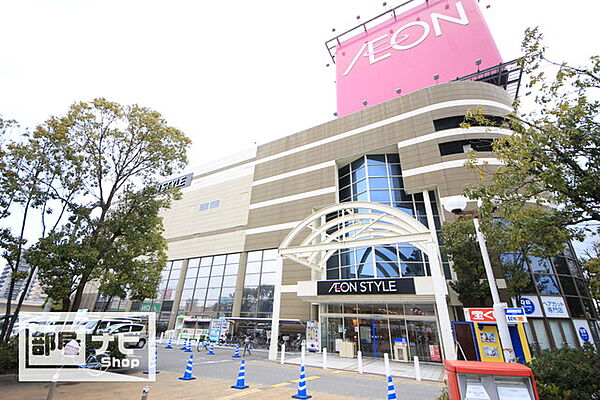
366, 286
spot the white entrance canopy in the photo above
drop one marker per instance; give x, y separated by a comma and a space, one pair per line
361, 224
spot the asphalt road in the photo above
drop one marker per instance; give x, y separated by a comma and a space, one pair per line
260, 370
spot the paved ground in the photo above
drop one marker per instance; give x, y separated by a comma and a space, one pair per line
215, 374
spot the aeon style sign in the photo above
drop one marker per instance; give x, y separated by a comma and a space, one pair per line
366, 286
440, 39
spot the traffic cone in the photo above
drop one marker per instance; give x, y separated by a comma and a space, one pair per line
188, 348
184, 344
211, 350
152, 364
237, 351
169, 345
391, 390
241, 379
187, 376
302, 386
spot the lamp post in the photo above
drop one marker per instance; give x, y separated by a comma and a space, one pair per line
456, 205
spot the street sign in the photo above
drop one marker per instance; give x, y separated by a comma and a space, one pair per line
515, 315
480, 314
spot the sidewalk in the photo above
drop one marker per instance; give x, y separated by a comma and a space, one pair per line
429, 371
166, 387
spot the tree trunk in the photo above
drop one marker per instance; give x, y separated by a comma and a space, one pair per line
21, 299
79, 293
66, 304
4, 334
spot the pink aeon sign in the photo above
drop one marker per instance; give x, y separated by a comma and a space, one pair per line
433, 43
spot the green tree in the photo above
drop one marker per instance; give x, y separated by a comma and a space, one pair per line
114, 231
460, 243
31, 166
553, 157
591, 267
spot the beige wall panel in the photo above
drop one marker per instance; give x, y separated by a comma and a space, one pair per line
306, 182
208, 245
185, 218
289, 211
293, 307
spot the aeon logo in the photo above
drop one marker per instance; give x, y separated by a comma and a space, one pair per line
377, 49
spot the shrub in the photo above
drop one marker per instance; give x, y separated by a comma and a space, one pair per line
9, 356
565, 374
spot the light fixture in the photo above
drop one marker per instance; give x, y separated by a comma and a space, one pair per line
398, 91
455, 204
384, 4
335, 114
365, 103
358, 17
478, 62
436, 77
332, 29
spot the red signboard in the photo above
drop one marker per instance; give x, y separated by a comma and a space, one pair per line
434, 352
435, 42
481, 314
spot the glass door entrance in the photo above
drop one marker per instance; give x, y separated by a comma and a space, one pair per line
374, 337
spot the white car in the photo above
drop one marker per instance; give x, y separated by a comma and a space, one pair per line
132, 331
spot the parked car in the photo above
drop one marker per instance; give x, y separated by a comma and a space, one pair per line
133, 331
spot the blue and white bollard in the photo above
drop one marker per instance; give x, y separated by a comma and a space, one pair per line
391, 389
169, 345
211, 350
241, 379
187, 376
152, 364
302, 393
236, 354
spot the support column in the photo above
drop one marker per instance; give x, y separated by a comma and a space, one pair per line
273, 347
439, 285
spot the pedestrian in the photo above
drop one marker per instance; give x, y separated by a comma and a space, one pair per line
247, 343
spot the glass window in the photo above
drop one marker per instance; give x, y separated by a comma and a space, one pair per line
569, 333
386, 254
231, 269
413, 269
347, 272
177, 264
228, 293
269, 266
410, 254
268, 279
344, 170
204, 272
213, 293
365, 270
214, 204
333, 273
575, 308
376, 159
253, 268
361, 197
218, 270
556, 333
378, 183
187, 295
359, 186
229, 280
547, 284
419, 309
405, 207
202, 283
175, 274
379, 196
233, 258
568, 286
573, 267
358, 163
200, 294
394, 169
387, 270
560, 264
582, 287
540, 333
252, 280
344, 181
254, 256
377, 170
191, 273
539, 264
206, 261
345, 194
215, 281
219, 260
358, 174
189, 284
193, 263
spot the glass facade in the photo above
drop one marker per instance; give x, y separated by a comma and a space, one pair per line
377, 178
209, 286
259, 284
375, 328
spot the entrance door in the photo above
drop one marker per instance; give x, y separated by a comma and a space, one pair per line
374, 337
463, 332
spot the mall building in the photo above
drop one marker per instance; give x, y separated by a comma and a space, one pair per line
339, 224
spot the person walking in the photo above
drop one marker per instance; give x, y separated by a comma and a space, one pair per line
247, 345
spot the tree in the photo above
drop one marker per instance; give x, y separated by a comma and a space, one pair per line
120, 152
553, 157
31, 165
460, 243
591, 267
517, 235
